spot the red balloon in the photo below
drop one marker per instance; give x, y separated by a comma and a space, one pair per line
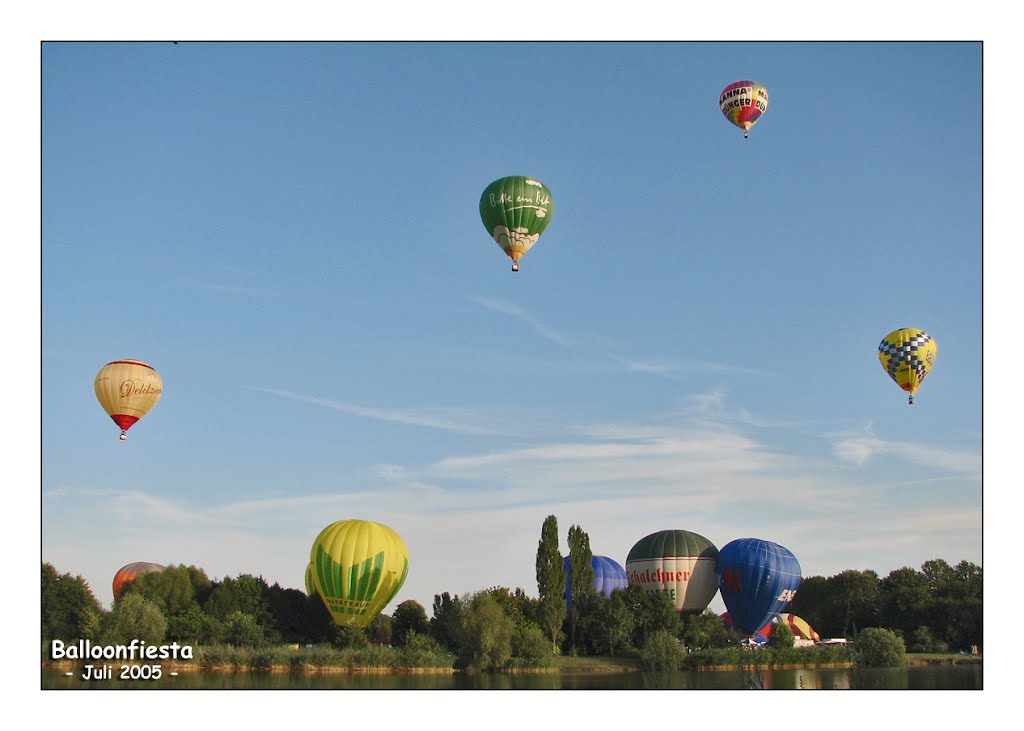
126, 574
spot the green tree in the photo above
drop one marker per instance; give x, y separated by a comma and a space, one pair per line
241, 628
246, 593
515, 603
922, 640
173, 589
70, 611
343, 637
409, 616
581, 578
530, 644
551, 608
446, 621
652, 611
187, 626
876, 647
955, 610
706, 630
487, 635
608, 625
854, 597
904, 599
135, 618
813, 604
381, 628
662, 651
287, 609
780, 635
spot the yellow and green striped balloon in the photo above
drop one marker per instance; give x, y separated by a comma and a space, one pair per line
515, 211
907, 355
358, 566
310, 589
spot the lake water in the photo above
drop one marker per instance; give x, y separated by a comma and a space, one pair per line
959, 677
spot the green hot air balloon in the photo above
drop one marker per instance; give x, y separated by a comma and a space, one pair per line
358, 567
515, 211
310, 588
678, 562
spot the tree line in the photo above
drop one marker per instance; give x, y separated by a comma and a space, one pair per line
935, 609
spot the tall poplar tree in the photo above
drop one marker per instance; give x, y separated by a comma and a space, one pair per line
581, 576
551, 609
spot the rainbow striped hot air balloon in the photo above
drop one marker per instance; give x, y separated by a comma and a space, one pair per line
800, 627
743, 103
358, 568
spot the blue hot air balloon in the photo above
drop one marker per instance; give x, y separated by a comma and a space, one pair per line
757, 579
608, 576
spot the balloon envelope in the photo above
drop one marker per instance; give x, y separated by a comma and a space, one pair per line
608, 576
126, 574
800, 627
907, 355
515, 211
127, 389
310, 588
678, 562
743, 103
358, 568
757, 579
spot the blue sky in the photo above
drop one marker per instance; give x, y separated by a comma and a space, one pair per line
289, 234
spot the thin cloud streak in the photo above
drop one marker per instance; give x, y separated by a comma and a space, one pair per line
671, 369
429, 418
513, 310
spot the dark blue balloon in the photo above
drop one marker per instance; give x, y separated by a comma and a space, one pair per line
608, 576
757, 579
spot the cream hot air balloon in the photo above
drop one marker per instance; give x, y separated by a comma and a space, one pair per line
127, 389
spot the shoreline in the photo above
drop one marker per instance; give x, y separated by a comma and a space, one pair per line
564, 665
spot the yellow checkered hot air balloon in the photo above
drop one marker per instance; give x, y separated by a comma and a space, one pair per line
907, 355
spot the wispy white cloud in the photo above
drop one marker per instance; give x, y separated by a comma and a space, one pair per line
861, 446
141, 508
523, 315
671, 369
473, 520
657, 367
447, 419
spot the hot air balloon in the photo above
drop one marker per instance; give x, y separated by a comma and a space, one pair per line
358, 568
907, 355
310, 588
799, 626
608, 576
126, 574
127, 390
743, 103
515, 211
678, 562
757, 579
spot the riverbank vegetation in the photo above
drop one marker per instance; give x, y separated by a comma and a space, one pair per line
242, 623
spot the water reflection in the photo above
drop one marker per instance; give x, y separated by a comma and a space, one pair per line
961, 677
